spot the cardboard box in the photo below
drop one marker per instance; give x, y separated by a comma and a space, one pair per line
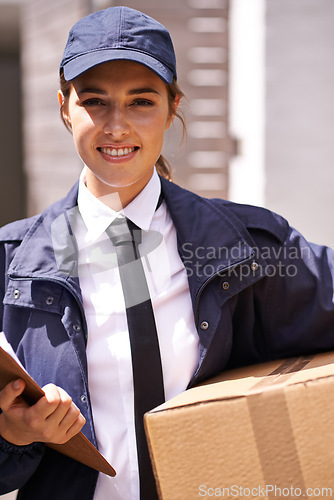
265, 431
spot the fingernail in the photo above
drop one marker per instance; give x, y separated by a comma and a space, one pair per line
17, 385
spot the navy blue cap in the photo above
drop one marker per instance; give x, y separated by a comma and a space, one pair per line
119, 33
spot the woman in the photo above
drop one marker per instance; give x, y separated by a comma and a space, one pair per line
224, 284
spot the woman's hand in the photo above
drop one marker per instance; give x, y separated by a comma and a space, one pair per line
53, 419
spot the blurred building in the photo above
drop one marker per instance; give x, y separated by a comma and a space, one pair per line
12, 179
258, 75
282, 110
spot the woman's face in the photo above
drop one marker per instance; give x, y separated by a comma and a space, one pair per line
118, 112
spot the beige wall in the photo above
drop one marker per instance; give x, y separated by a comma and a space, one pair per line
300, 114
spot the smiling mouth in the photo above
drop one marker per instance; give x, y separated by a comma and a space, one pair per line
119, 152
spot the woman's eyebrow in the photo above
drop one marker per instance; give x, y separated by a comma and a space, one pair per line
94, 90
144, 90
91, 90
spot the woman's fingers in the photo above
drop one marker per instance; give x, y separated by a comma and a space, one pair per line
72, 422
65, 420
54, 397
53, 419
10, 393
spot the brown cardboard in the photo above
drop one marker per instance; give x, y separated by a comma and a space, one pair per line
265, 431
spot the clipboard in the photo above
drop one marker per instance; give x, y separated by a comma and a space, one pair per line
78, 447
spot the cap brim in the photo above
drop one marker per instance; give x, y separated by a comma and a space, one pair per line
79, 65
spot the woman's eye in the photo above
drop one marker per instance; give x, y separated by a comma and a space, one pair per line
92, 102
142, 102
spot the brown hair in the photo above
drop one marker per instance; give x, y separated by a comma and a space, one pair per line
174, 94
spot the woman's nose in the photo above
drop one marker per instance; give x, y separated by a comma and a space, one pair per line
116, 123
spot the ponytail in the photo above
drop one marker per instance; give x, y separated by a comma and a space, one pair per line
163, 168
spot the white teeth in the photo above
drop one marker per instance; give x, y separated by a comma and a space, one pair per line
117, 152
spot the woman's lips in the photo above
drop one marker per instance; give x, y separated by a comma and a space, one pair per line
124, 153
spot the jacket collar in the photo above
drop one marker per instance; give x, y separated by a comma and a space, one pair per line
36, 257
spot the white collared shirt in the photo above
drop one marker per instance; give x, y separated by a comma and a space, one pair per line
108, 348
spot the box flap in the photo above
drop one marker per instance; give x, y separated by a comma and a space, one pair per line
255, 379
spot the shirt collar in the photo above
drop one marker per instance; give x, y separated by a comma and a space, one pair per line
97, 216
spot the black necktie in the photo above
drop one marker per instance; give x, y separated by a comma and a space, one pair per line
146, 361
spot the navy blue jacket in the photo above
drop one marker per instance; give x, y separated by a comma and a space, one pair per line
259, 292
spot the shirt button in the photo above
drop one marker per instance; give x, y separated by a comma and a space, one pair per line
49, 301
225, 285
83, 398
77, 327
254, 266
204, 325
16, 294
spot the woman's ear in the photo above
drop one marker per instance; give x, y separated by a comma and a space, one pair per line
61, 98
63, 110
173, 109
